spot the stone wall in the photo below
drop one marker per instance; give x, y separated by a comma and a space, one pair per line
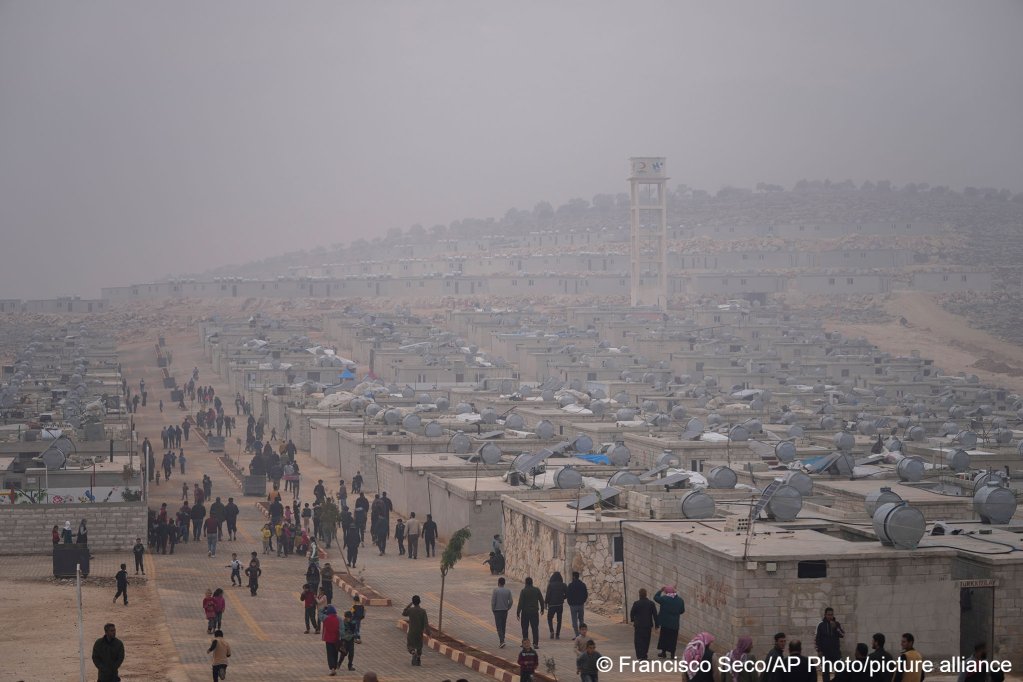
113, 527
883, 590
537, 546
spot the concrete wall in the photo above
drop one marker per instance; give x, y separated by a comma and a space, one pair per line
25, 528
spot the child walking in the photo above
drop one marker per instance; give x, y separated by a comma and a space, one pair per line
236, 570
528, 660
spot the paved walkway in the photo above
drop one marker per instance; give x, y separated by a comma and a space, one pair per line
265, 632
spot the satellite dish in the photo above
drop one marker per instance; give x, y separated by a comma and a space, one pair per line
844, 441
799, 481
785, 504
619, 455
893, 445
875, 499
623, 478
714, 419
433, 429
547, 396
411, 422
514, 421
958, 460
660, 420
622, 397
899, 525
442, 403
866, 428
625, 414
566, 399
738, 434
597, 408
488, 416
785, 451
373, 409
910, 469
424, 399
756, 405
721, 478
678, 413
994, 503
669, 459
827, 422
696, 504
490, 454
916, 433
407, 392
966, 439
582, 443
544, 430
694, 426
460, 443
568, 478
463, 408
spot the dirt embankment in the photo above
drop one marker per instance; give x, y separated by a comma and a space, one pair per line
941, 335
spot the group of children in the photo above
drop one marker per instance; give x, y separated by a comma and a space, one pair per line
585, 662
287, 538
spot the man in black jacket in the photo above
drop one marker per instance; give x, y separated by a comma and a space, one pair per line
231, 516
879, 654
644, 619
828, 639
430, 535
577, 596
771, 674
108, 654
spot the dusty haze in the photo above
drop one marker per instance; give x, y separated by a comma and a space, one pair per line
141, 139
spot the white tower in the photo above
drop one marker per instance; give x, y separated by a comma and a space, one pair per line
648, 244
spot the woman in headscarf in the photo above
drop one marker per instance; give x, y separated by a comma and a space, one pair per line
669, 613
83, 534
699, 651
742, 652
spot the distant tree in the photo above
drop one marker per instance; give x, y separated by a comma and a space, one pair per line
543, 211
360, 245
622, 201
417, 232
604, 203
438, 231
867, 186
452, 554
884, 185
394, 234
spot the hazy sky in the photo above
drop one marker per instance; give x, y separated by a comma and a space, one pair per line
144, 138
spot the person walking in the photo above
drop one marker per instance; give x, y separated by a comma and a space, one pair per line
327, 581
253, 571
531, 605
348, 640
108, 654
500, 604
308, 598
910, 661
212, 530
352, 540
576, 598
555, 598
219, 606
137, 551
331, 636
412, 530
586, 662
236, 570
399, 535
417, 622
231, 517
181, 463
219, 652
670, 610
644, 619
209, 609
122, 584
430, 536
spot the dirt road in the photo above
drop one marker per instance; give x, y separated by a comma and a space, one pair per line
939, 334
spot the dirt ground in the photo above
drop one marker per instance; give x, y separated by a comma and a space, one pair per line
943, 336
39, 622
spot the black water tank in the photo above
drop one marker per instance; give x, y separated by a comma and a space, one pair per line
67, 557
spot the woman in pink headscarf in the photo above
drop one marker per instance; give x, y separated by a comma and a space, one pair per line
742, 652
698, 650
